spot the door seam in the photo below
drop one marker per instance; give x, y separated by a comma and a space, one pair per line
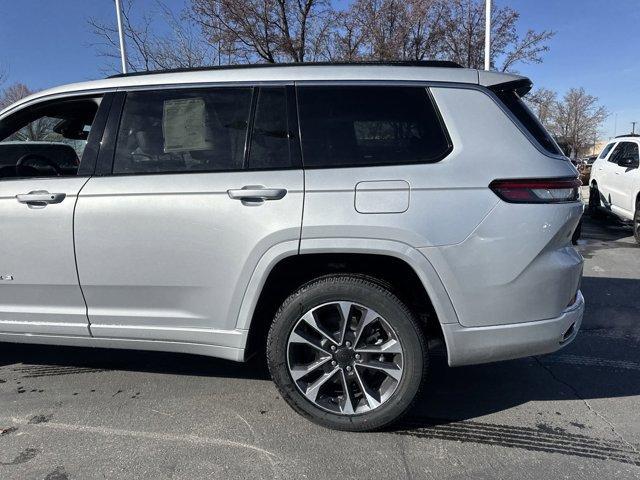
75, 256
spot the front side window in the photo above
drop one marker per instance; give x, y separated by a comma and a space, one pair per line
369, 125
270, 145
168, 131
606, 150
46, 140
624, 150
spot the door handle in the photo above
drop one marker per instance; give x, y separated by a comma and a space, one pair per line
40, 198
257, 193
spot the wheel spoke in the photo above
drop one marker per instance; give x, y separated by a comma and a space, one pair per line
368, 318
312, 390
355, 346
346, 406
298, 372
310, 319
298, 338
371, 400
345, 309
390, 346
391, 369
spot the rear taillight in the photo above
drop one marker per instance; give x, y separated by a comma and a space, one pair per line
537, 190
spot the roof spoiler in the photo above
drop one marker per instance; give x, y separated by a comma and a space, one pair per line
502, 82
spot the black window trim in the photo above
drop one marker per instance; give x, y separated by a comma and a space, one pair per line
87, 166
375, 83
106, 160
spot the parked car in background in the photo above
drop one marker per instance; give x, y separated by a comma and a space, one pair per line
584, 168
435, 206
615, 180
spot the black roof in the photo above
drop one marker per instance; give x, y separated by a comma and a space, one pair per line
399, 63
628, 135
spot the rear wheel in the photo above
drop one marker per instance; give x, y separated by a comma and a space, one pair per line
347, 354
594, 201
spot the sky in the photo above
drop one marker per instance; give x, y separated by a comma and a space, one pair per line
44, 43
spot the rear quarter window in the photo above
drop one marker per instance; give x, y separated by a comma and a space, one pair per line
355, 126
513, 102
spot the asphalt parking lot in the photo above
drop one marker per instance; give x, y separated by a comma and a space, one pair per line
85, 414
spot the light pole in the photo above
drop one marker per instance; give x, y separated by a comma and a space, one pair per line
123, 48
487, 36
633, 128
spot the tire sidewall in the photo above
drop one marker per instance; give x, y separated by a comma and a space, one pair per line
368, 294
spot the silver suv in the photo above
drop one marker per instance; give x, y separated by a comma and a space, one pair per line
339, 217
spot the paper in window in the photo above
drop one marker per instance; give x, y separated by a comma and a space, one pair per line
184, 125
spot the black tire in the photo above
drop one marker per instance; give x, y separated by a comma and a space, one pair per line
636, 223
595, 203
577, 233
368, 293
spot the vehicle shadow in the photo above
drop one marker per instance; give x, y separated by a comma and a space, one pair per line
609, 339
45, 358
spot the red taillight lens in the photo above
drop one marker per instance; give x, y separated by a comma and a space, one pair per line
537, 190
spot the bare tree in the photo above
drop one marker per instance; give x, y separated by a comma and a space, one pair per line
578, 120
39, 129
13, 93
544, 103
389, 30
464, 36
181, 47
266, 30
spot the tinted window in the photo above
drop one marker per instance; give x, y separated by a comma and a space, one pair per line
517, 107
606, 150
270, 135
183, 131
46, 140
357, 126
624, 150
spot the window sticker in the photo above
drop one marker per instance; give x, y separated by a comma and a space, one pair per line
184, 125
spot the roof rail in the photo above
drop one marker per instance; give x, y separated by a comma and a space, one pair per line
628, 135
398, 63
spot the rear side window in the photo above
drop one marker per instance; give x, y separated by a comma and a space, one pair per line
167, 131
517, 107
606, 150
364, 126
270, 145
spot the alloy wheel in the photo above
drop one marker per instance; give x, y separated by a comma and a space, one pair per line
345, 358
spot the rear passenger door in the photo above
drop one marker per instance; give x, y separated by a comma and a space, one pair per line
196, 186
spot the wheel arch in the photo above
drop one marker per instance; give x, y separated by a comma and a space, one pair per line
280, 272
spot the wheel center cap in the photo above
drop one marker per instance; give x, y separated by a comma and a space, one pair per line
344, 356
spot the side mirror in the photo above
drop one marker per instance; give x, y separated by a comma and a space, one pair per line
629, 162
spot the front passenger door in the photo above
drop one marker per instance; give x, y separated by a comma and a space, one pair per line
47, 153
623, 180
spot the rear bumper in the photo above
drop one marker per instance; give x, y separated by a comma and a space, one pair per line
472, 345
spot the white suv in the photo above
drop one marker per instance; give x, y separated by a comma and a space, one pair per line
337, 216
615, 180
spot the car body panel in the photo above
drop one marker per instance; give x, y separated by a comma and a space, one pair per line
39, 290
144, 278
